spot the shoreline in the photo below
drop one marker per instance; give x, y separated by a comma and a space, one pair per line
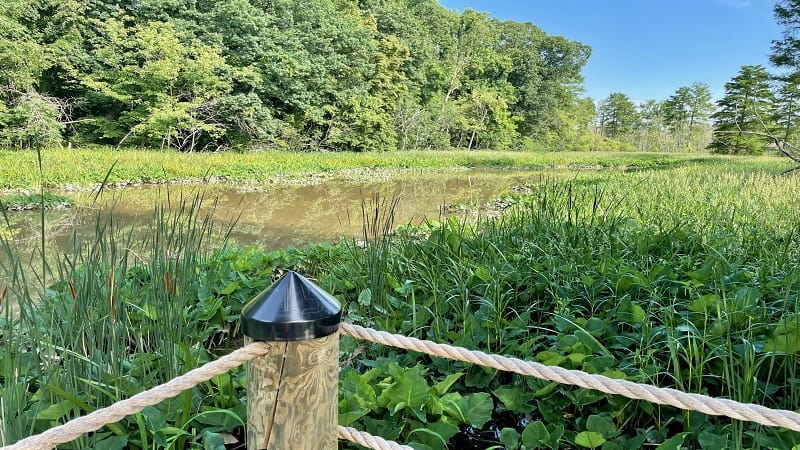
87, 169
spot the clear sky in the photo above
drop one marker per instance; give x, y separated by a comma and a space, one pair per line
648, 48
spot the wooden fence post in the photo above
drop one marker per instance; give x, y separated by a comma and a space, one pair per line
292, 392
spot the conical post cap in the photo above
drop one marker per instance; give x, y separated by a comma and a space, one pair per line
291, 309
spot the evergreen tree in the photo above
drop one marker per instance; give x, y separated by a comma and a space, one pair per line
744, 119
617, 115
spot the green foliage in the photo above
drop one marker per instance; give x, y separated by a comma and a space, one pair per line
166, 90
21, 202
83, 167
616, 115
317, 75
744, 121
676, 277
675, 274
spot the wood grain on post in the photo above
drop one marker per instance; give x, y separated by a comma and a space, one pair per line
296, 410
292, 392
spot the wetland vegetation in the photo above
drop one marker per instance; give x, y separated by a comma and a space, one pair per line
680, 275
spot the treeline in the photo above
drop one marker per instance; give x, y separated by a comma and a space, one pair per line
313, 75
681, 123
759, 111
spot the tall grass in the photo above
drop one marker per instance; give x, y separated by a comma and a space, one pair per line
684, 277
120, 317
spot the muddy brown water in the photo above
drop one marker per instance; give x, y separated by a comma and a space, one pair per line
277, 216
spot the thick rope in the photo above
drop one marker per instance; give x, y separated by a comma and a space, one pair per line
368, 440
662, 396
116, 412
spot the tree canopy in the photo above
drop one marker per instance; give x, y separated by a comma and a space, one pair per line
312, 75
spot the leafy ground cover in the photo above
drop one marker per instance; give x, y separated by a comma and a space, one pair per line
86, 167
680, 276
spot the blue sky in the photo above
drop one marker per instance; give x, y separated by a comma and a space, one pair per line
648, 48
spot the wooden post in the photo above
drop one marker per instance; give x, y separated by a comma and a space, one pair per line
292, 392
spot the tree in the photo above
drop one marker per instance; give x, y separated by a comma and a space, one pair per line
28, 117
617, 115
787, 110
786, 51
686, 112
166, 90
545, 74
743, 122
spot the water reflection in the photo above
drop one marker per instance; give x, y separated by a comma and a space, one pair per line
276, 216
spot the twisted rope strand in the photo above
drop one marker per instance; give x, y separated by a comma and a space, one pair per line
662, 396
368, 440
116, 412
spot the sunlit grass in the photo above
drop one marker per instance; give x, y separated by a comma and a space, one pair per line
86, 167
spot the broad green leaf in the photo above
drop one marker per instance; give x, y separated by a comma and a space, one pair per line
476, 409
712, 441
600, 424
595, 326
112, 443
483, 273
589, 439
365, 297
213, 441
535, 435
444, 429
510, 438
154, 418
355, 390
386, 429
429, 437
673, 443
408, 390
443, 386
56, 411
230, 288
637, 314
515, 399
703, 304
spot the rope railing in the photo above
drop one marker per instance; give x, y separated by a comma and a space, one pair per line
662, 396
99, 418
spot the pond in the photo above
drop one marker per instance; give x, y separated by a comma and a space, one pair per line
275, 216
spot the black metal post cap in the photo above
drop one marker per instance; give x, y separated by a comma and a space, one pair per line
291, 309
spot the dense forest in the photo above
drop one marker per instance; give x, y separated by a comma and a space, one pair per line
311, 75
368, 75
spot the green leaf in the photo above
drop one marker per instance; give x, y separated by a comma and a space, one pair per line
637, 314
356, 391
704, 303
601, 425
213, 441
515, 399
589, 439
712, 441
365, 297
385, 429
230, 288
409, 390
55, 412
483, 273
673, 443
437, 443
443, 386
510, 438
112, 443
476, 409
535, 435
